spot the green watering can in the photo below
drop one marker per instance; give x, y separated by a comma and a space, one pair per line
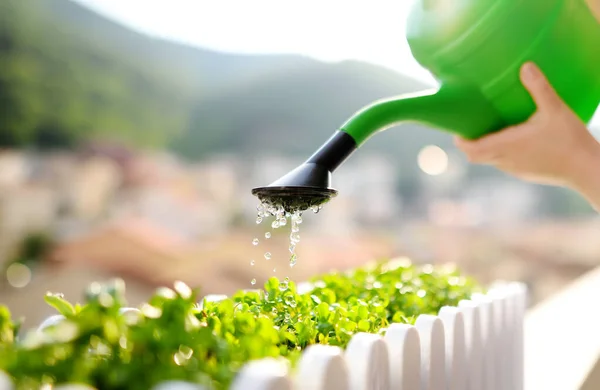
475, 49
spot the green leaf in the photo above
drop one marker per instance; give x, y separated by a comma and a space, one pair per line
322, 310
363, 312
364, 325
60, 304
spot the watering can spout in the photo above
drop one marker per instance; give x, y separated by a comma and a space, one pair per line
461, 110
455, 109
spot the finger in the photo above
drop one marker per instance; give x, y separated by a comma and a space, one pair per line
540, 89
491, 145
474, 153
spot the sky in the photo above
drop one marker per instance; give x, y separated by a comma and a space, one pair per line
329, 30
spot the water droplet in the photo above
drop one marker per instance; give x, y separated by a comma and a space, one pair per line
299, 219
274, 269
268, 255
275, 224
295, 238
288, 299
282, 221
258, 220
287, 279
179, 359
292, 248
253, 282
315, 209
290, 302
252, 262
268, 235
186, 351
255, 242
295, 228
283, 286
293, 260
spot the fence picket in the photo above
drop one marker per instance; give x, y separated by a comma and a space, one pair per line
5, 381
433, 364
488, 340
368, 362
322, 367
264, 374
474, 344
520, 306
404, 350
502, 305
456, 355
168, 385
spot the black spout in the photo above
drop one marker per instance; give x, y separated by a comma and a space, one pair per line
309, 184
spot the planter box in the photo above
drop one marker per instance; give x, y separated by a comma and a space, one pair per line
477, 345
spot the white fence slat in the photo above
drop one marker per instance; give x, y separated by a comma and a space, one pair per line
175, 385
368, 362
488, 337
500, 306
510, 337
264, 374
322, 367
404, 348
520, 307
472, 314
433, 364
456, 354
5, 381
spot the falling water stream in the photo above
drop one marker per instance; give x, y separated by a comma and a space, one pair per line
280, 220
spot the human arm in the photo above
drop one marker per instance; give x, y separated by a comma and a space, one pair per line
553, 147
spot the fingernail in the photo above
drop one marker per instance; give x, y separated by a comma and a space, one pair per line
529, 72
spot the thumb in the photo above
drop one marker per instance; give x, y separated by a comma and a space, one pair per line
543, 94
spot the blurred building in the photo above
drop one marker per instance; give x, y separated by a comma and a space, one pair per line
23, 210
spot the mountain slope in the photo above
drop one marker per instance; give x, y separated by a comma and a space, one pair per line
67, 73
295, 111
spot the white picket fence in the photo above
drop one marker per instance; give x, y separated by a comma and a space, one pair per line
475, 346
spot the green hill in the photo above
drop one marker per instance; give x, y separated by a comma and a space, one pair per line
294, 111
67, 73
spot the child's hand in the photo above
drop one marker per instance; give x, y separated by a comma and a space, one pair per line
552, 147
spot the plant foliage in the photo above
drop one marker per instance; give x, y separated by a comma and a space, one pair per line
173, 337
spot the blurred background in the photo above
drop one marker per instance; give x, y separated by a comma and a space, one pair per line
131, 133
